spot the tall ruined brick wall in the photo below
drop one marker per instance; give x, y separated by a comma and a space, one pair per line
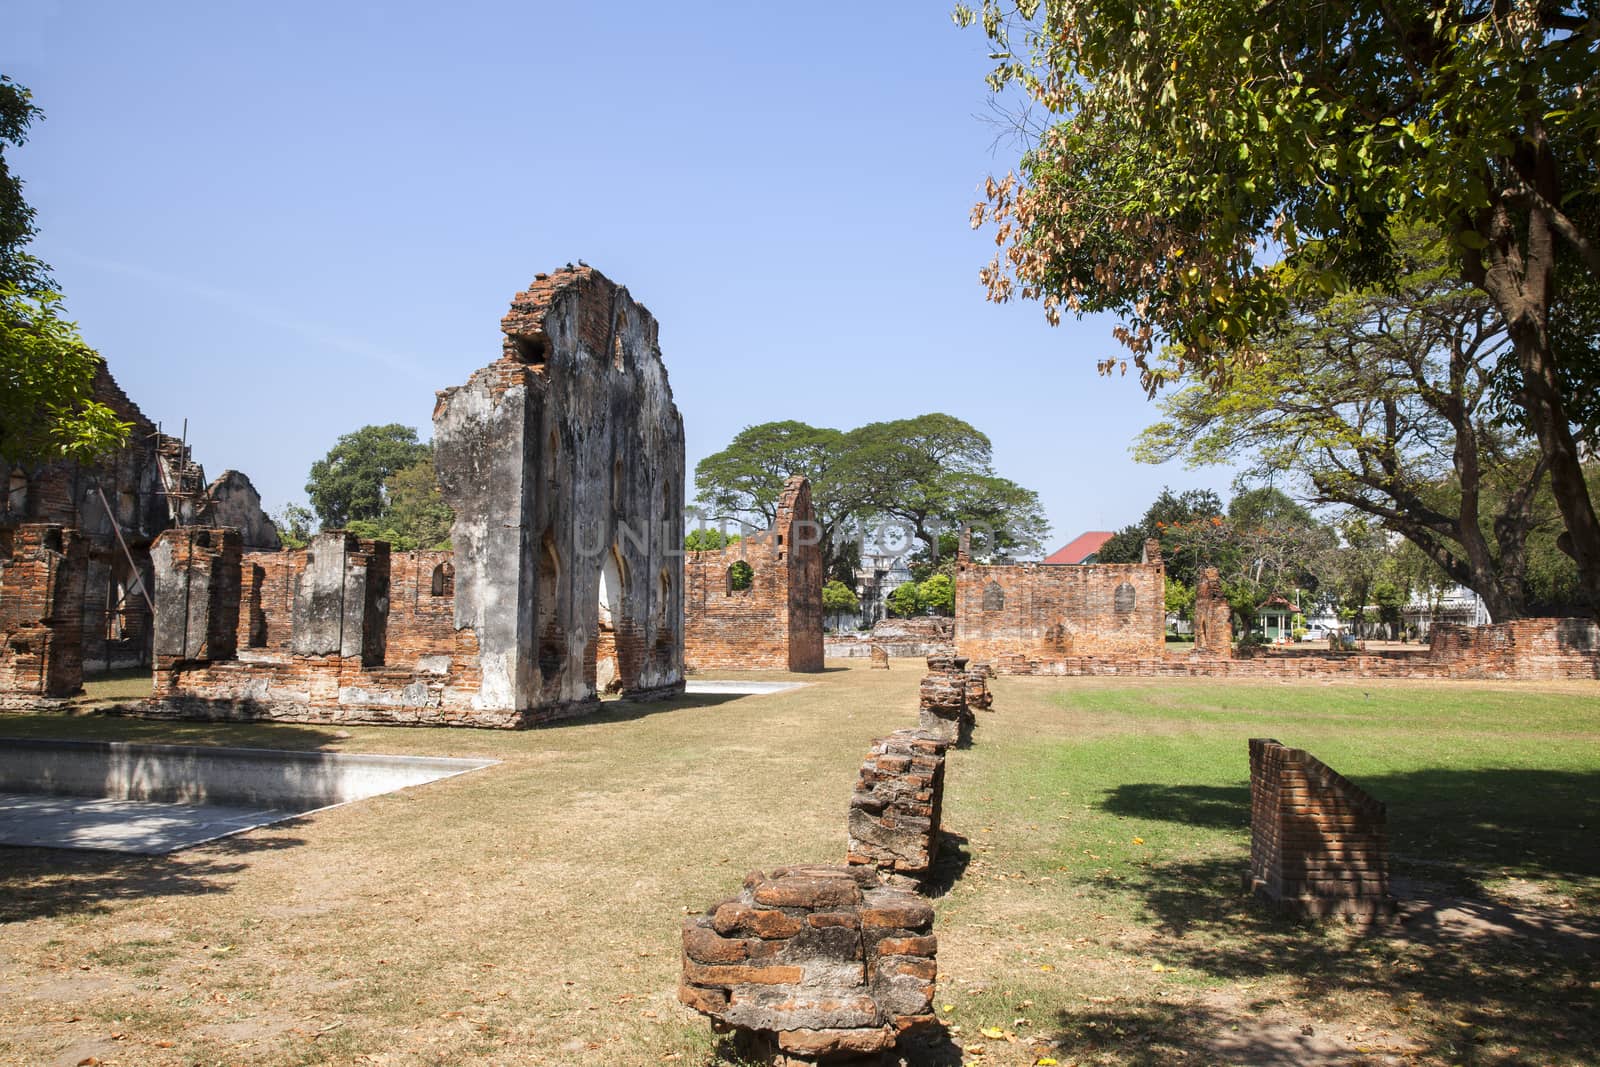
1318, 843
41, 568
1213, 617
564, 463
775, 624
1022, 617
1525, 648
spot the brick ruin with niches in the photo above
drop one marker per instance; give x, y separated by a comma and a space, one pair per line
813, 964
1038, 618
116, 506
563, 462
774, 622
895, 808
1318, 843
41, 573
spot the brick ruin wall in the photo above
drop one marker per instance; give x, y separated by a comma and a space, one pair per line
114, 629
41, 572
775, 623
563, 462
895, 808
1213, 617
1318, 843
813, 963
913, 638
1031, 618
367, 636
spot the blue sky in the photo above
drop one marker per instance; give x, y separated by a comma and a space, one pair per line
285, 221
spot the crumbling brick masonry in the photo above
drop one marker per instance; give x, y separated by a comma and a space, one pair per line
1035, 618
894, 811
757, 604
942, 712
1318, 843
563, 461
813, 963
41, 568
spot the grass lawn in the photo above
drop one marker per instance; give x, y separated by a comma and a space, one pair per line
1098, 831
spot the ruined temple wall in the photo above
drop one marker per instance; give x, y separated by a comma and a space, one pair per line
1023, 617
41, 570
115, 622
1525, 649
564, 463
340, 632
775, 624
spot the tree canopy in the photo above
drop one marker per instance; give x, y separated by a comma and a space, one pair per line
348, 484
929, 474
1382, 401
1206, 163
47, 372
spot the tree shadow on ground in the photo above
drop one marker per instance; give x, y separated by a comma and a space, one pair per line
1481, 980
622, 710
40, 883
109, 724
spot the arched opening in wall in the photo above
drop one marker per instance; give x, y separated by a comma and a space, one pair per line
994, 597
741, 576
552, 639
444, 580
1123, 600
532, 348
618, 358
607, 668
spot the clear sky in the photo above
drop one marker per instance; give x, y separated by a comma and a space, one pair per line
284, 221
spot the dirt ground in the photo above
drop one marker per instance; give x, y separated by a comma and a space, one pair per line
529, 913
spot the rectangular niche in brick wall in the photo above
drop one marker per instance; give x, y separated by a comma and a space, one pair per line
1318, 843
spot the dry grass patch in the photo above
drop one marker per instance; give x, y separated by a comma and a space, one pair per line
529, 913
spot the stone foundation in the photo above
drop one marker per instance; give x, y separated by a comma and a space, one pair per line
813, 964
894, 811
1318, 843
913, 638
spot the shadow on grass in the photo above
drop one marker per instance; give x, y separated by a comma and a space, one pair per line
1482, 981
948, 865
1453, 824
1476, 994
40, 883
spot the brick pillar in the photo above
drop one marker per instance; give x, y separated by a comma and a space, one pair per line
943, 712
41, 620
341, 600
1213, 618
894, 811
197, 594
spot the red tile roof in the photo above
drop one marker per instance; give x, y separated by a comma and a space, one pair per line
1080, 548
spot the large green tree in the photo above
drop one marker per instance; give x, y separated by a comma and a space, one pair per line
1195, 148
47, 405
931, 474
1382, 401
348, 484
